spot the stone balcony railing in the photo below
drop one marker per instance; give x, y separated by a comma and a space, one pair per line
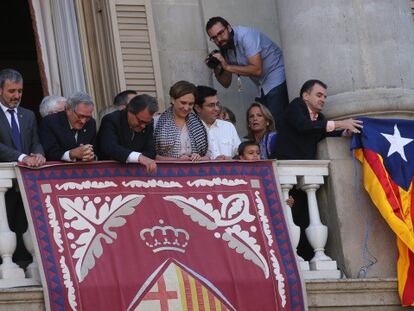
11, 275
306, 175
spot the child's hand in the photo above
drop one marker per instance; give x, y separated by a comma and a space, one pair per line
290, 201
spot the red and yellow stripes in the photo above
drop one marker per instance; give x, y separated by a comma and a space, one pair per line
195, 296
395, 205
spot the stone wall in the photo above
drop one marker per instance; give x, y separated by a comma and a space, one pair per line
183, 43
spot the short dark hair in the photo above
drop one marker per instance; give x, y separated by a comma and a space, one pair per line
11, 75
203, 92
141, 102
122, 98
246, 144
308, 86
182, 88
214, 20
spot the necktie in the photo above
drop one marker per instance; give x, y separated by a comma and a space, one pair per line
75, 134
15, 131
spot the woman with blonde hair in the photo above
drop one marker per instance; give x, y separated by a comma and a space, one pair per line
179, 133
261, 129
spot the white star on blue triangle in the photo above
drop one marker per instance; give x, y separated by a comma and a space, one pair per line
393, 140
397, 143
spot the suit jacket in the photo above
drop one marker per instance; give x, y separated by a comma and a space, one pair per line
116, 140
57, 137
298, 135
28, 135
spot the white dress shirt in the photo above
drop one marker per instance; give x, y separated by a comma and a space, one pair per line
8, 117
222, 139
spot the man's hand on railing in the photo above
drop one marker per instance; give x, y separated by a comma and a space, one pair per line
149, 164
34, 160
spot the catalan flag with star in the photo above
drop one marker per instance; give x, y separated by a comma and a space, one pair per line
386, 150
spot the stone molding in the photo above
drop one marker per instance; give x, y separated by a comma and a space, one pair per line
378, 102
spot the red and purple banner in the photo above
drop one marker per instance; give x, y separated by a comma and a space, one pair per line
207, 236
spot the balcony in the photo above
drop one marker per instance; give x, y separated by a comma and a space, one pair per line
309, 176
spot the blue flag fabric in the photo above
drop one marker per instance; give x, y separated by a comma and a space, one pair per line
393, 139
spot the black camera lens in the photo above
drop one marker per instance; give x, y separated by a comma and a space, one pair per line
213, 62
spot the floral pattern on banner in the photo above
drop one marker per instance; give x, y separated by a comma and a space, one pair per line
217, 227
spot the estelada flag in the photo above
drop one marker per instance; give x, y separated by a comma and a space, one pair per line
386, 150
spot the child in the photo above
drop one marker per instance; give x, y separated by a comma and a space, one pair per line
227, 115
250, 150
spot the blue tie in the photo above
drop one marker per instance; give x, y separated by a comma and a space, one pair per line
15, 131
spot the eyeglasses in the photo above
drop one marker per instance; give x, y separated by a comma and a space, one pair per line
219, 34
81, 117
213, 105
141, 122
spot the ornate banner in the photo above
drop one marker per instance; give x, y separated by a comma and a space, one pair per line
207, 236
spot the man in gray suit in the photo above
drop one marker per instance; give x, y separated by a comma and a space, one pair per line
18, 130
18, 142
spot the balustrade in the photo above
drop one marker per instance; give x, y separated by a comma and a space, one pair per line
11, 275
308, 176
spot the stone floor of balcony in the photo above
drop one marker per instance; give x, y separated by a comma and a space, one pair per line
323, 295
377, 294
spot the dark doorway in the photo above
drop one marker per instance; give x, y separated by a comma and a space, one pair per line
18, 49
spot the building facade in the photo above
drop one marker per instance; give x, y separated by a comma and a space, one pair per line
362, 49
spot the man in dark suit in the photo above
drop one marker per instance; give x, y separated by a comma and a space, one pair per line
303, 124
18, 142
70, 135
127, 135
18, 130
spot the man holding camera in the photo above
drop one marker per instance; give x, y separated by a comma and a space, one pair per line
247, 52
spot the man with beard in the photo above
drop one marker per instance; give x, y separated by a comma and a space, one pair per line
18, 130
18, 143
247, 52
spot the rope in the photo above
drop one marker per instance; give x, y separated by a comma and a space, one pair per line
369, 259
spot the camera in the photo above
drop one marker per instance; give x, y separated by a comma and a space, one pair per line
213, 62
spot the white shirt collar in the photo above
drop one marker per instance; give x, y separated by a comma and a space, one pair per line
212, 125
6, 108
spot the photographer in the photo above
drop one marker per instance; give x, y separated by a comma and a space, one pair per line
247, 52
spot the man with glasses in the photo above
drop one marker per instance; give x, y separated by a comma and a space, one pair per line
247, 52
70, 135
223, 139
127, 135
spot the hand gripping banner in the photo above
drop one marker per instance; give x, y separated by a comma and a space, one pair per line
210, 236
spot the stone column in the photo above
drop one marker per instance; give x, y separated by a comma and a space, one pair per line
363, 50
181, 42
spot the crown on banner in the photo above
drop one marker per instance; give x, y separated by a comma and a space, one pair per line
165, 238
